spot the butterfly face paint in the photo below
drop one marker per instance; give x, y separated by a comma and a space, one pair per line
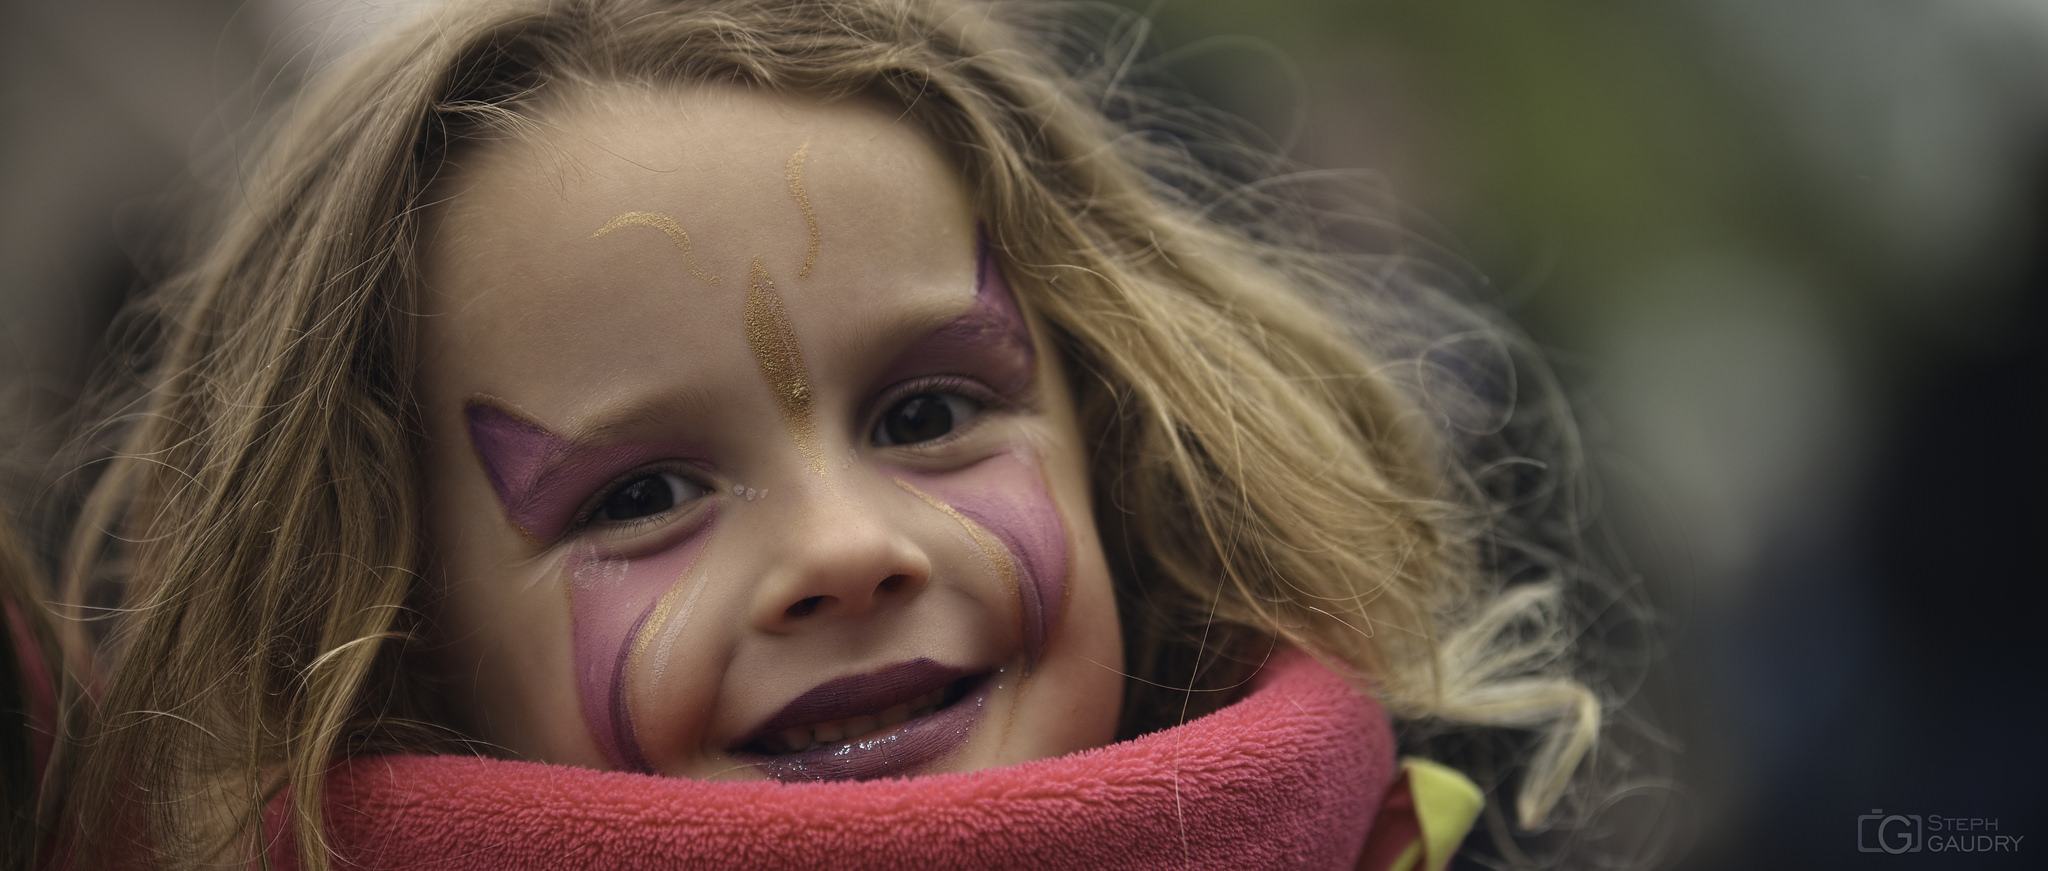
615, 603
618, 606
1004, 498
1005, 508
825, 517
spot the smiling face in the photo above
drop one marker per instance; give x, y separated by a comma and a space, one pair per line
742, 459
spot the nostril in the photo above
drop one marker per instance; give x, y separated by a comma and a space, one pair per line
891, 584
805, 607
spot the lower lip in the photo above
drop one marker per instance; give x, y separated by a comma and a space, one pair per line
901, 751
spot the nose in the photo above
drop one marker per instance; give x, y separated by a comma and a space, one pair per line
838, 557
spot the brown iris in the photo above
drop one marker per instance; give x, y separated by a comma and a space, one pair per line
921, 418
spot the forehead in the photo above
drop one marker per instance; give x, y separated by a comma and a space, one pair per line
718, 160
852, 214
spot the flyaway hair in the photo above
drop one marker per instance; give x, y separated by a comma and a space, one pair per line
1269, 460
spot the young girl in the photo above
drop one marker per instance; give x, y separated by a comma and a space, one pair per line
805, 394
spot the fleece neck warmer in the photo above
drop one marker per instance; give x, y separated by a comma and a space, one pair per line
1292, 776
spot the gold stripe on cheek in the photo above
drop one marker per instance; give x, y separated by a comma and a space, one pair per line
990, 548
794, 174
773, 342
666, 225
663, 609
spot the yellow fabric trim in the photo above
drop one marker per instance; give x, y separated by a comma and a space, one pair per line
1409, 856
1446, 804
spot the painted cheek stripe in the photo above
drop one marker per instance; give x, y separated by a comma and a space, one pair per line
616, 606
663, 609
625, 740
1007, 498
595, 586
669, 626
773, 341
994, 552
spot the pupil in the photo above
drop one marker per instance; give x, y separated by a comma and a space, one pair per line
640, 498
919, 419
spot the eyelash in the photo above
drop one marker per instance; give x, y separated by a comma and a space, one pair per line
986, 400
973, 390
586, 516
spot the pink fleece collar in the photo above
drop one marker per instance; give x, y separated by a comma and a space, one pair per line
1290, 777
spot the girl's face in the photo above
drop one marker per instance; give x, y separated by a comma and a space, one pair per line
743, 460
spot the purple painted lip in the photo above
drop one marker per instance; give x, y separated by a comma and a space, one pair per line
898, 750
859, 694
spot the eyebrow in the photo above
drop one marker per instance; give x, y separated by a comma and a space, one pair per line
527, 461
992, 326
620, 419
895, 332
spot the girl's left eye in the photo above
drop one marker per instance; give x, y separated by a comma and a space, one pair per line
646, 496
922, 418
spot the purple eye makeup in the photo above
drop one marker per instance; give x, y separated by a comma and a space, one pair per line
990, 341
543, 480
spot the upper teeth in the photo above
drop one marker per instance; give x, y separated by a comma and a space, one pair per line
798, 739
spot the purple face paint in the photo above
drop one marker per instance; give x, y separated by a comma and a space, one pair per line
990, 341
1007, 496
542, 478
615, 603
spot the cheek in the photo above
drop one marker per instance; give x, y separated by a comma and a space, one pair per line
617, 607
1007, 496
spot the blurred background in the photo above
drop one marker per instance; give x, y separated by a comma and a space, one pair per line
1788, 253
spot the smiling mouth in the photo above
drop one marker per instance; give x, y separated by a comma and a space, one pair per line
799, 739
885, 723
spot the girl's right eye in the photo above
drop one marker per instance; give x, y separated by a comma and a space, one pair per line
646, 496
